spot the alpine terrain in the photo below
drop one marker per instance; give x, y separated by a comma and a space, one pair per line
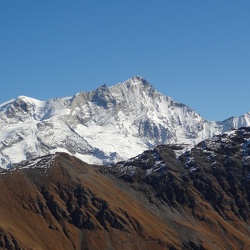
106, 125
199, 201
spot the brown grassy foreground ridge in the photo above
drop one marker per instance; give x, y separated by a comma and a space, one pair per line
60, 202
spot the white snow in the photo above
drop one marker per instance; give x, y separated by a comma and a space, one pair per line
6, 103
44, 163
101, 126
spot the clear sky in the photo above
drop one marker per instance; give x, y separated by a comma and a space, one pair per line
195, 51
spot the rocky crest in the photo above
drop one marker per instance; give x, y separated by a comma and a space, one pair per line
211, 182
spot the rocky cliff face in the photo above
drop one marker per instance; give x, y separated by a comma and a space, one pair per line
151, 201
210, 182
101, 126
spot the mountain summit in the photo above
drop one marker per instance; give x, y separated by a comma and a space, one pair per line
101, 126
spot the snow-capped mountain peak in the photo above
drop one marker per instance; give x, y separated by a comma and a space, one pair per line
104, 125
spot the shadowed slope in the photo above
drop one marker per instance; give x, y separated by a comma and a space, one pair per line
70, 205
152, 201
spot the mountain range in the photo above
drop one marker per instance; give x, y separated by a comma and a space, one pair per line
169, 180
198, 201
103, 126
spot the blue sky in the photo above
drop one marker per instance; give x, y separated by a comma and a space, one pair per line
197, 52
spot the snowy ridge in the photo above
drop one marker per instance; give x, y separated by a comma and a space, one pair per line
236, 122
106, 125
44, 162
150, 163
227, 144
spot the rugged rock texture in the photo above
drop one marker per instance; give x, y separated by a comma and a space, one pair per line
152, 201
208, 186
59, 202
102, 126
